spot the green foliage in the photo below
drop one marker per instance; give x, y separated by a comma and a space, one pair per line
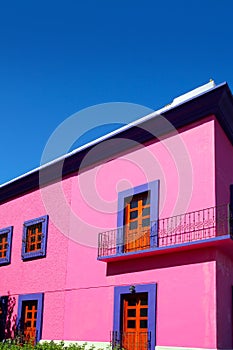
15, 345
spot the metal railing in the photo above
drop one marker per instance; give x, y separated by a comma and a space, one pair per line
189, 227
131, 340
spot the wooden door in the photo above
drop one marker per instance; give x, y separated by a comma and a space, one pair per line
29, 321
137, 222
135, 322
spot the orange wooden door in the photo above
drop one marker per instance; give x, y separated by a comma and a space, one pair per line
30, 316
135, 322
137, 222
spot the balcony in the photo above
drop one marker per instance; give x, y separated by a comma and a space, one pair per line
206, 225
131, 340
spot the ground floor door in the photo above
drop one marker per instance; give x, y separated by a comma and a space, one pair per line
29, 317
135, 321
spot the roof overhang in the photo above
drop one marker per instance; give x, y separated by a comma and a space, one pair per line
217, 101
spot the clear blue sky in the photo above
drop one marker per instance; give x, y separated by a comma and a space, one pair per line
58, 57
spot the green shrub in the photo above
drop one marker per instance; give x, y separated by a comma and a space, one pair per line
16, 345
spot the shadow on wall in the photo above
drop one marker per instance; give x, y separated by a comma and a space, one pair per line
161, 261
8, 318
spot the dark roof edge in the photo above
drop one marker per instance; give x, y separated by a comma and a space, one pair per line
217, 101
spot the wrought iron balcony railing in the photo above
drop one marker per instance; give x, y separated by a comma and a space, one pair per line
131, 340
189, 227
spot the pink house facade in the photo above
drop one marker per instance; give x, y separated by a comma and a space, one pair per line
133, 243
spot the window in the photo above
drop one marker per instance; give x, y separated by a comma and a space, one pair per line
35, 238
138, 216
5, 245
30, 311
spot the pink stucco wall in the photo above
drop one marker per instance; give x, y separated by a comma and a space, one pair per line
186, 293
186, 300
184, 164
46, 275
78, 288
224, 178
224, 300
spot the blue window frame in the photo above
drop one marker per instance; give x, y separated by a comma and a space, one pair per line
35, 238
5, 245
153, 189
23, 301
119, 293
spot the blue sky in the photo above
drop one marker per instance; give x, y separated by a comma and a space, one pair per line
58, 57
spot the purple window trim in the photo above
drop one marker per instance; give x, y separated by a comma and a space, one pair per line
151, 289
39, 253
9, 232
39, 297
153, 187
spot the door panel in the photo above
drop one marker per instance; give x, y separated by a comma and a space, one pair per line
135, 322
137, 222
29, 320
